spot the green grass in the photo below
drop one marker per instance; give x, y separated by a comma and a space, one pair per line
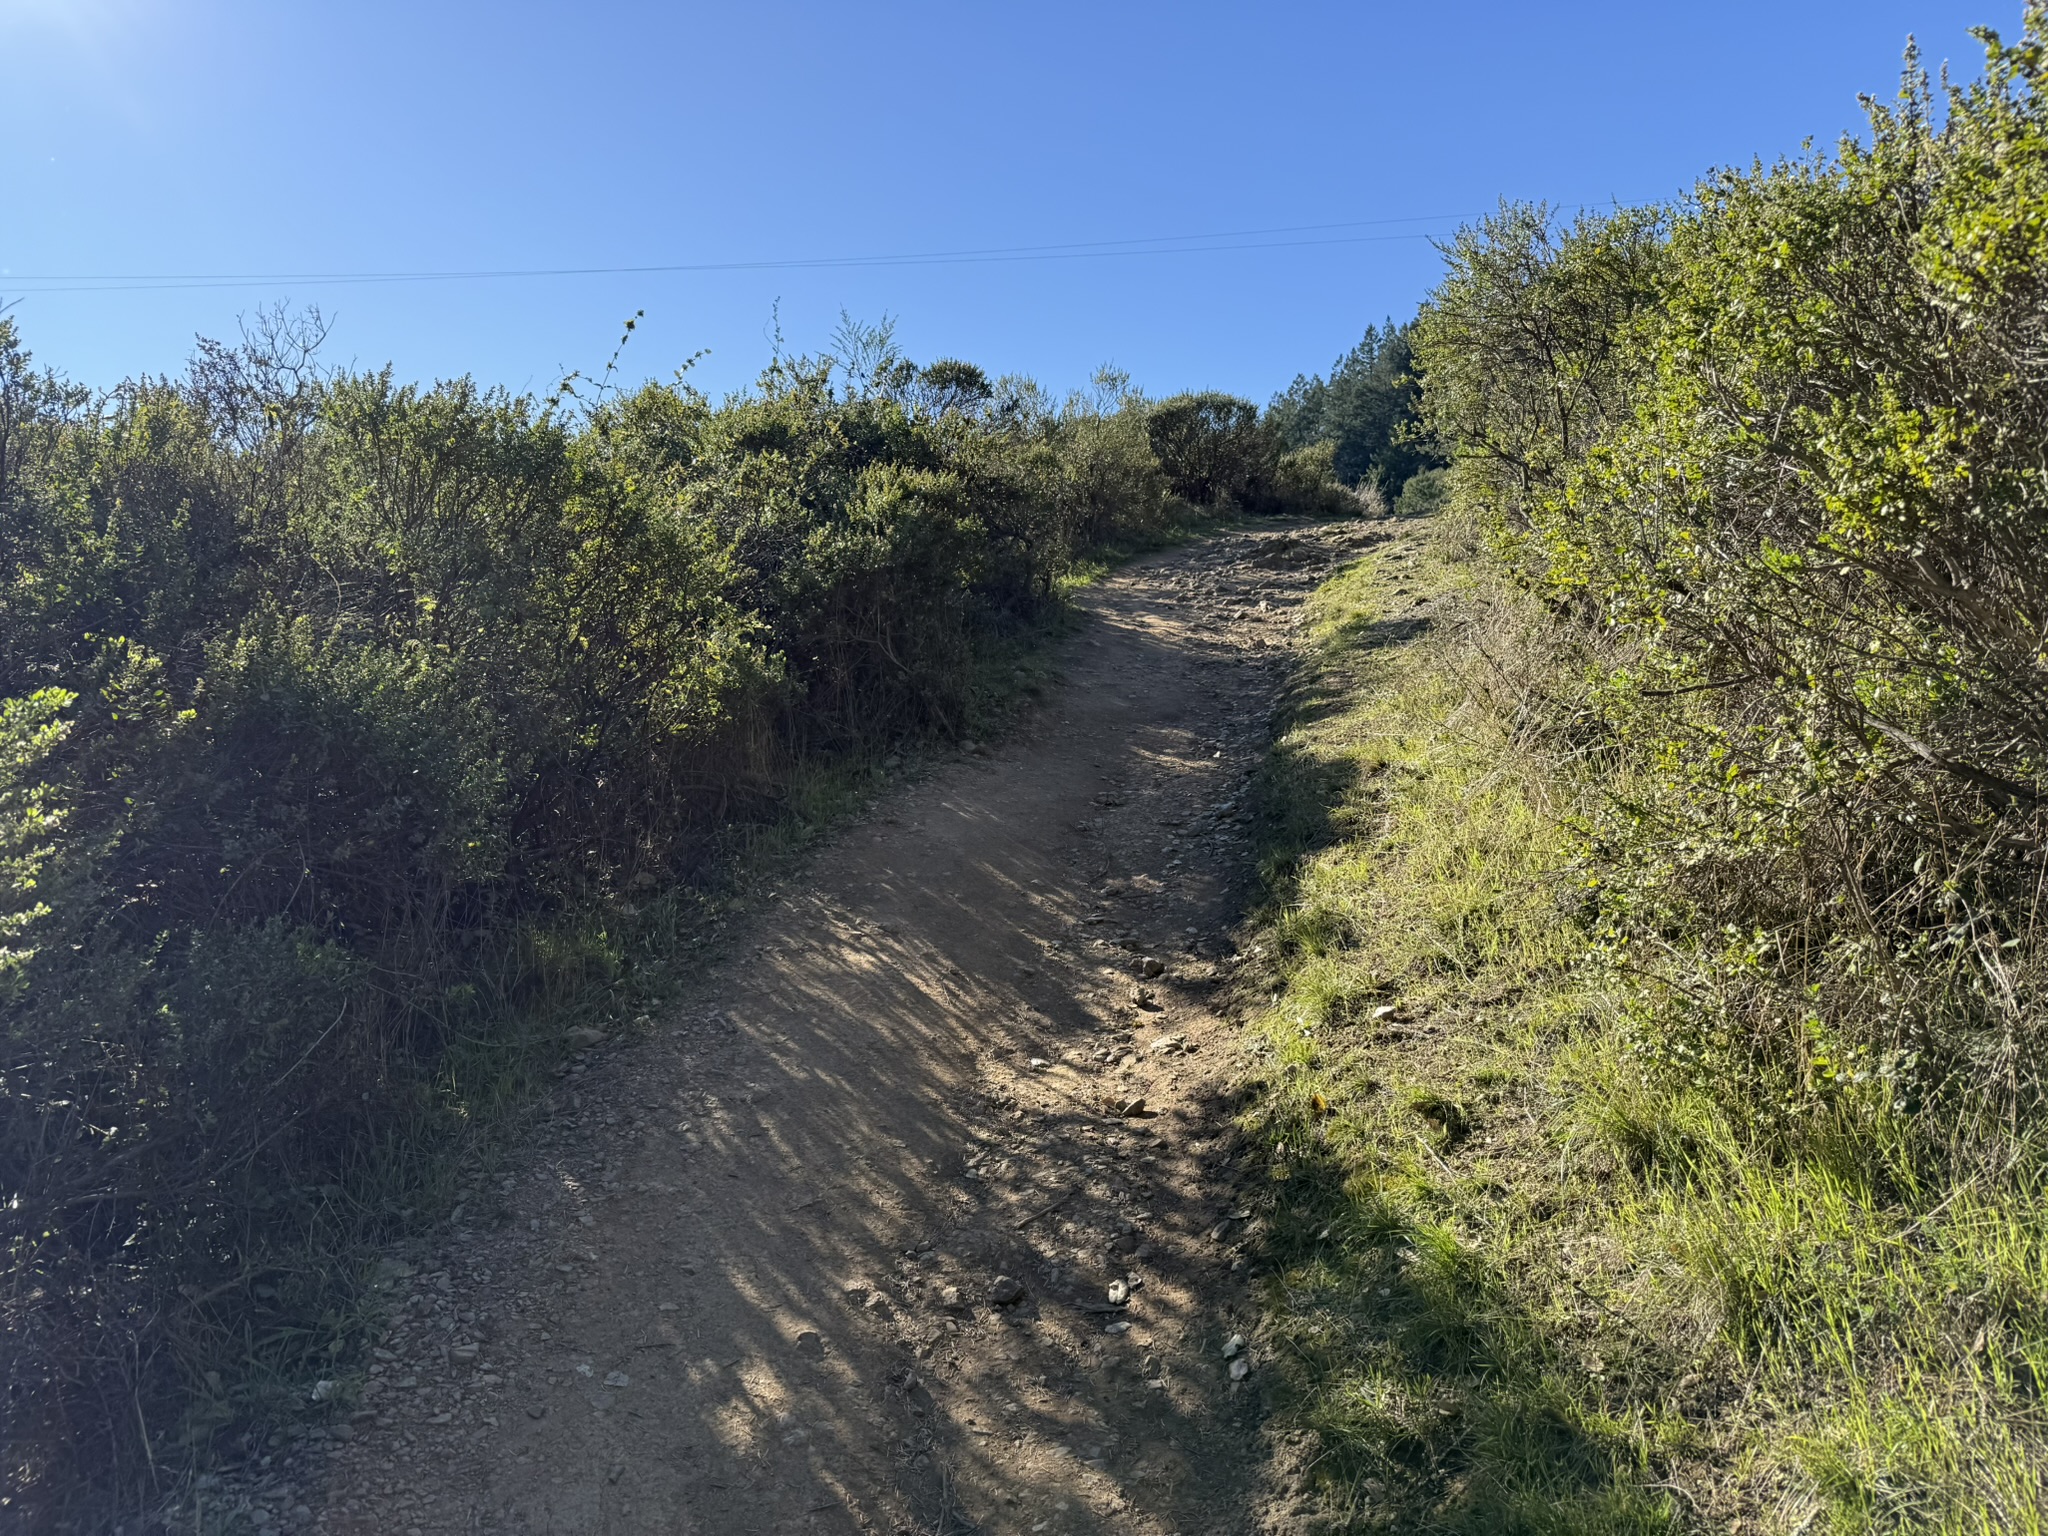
1514, 1280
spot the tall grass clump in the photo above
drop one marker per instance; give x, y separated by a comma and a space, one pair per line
345, 728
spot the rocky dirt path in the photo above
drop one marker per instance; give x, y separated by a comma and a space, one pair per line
918, 1215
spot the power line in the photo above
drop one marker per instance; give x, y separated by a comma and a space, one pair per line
1153, 245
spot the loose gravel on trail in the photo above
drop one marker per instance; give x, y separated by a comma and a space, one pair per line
921, 1212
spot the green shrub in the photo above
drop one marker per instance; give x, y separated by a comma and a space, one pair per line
1777, 445
1770, 456
1111, 480
1305, 485
1424, 495
1214, 449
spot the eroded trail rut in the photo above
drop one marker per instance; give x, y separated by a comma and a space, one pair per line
746, 1276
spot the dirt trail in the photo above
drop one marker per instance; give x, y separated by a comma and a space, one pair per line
747, 1276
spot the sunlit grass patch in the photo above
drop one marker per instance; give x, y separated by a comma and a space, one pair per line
1516, 1278
1422, 946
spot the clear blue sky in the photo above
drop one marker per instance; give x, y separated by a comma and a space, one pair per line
231, 137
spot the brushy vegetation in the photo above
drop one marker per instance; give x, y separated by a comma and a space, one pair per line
353, 735
1656, 1101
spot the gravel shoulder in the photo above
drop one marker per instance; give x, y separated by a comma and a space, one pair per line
918, 1213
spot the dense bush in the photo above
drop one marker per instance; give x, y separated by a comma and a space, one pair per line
1772, 456
329, 706
1216, 450
1781, 445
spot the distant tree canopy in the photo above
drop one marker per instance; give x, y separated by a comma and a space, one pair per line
1362, 408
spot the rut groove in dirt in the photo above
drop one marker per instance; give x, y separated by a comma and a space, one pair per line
745, 1276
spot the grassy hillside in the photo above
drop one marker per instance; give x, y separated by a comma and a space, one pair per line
1523, 1278
1654, 1100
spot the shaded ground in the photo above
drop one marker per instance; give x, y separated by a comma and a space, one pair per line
747, 1276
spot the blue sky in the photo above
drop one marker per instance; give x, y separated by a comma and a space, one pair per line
150, 137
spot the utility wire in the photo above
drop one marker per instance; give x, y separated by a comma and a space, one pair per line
1153, 245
